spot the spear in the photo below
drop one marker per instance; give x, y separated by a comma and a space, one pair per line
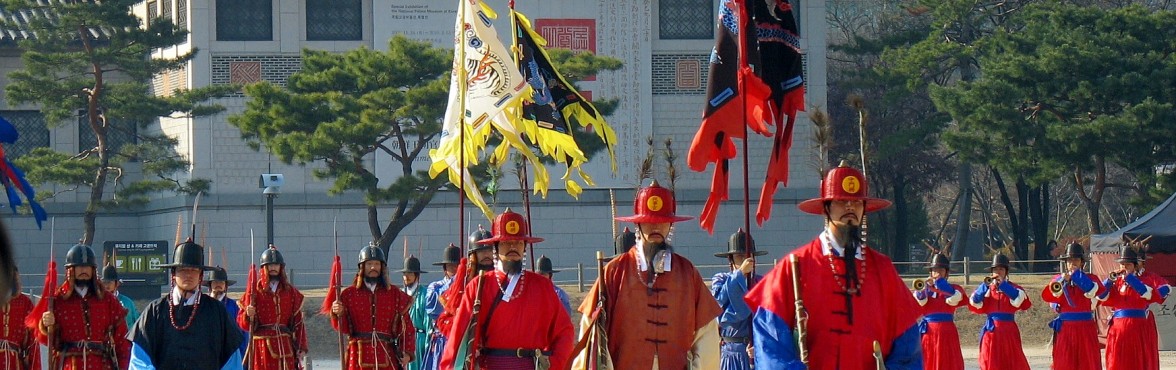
337, 281
251, 296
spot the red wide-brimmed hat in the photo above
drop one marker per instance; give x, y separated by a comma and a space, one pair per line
843, 183
654, 204
510, 226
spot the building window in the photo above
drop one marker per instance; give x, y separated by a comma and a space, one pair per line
182, 13
121, 132
334, 20
244, 20
166, 12
33, 131
686, 19
152, 11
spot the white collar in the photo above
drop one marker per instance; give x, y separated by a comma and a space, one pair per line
370, 286
176, 296
512, 282
273, 286
410, 290
642, 265
81, 290
829, 246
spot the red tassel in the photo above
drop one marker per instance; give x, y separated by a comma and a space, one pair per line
33, 320
332, 292
777, 173
718, 194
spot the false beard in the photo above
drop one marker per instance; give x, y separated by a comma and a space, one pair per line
488, 267
378, 280
512, 267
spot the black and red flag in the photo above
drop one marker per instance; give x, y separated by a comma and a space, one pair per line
736, 99
782, 70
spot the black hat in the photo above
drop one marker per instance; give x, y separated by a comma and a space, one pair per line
372, 253
451, 255
412, 264
545, 265
110, 273
941, 261
738, 244
1073, 250
999, 260
480, 234
623, 241
1128, 255
80, 255
271, 256
188, 254
219, 274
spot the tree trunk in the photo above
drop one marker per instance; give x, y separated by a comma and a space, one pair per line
1021, 235
901, 244
98, 125
1092, 201
964, 218
1039, 225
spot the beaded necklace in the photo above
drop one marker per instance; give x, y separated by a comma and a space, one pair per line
839, 277
171, 312
518, 286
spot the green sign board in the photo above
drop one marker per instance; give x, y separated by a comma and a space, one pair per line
138, 261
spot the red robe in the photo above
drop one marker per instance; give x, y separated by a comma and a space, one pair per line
280, 334
941, 341
1075, 344
18, 347
106, 326
662, 321
1131, 341
534, 318
883, 312
1155, 281
383, 313
1000, 348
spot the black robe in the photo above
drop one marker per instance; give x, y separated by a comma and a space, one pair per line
209, 343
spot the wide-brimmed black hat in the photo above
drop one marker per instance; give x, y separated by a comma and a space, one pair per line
1073, 250
999, 260
219, 274
451, 255
941, 261
188, 254
1128, 255
412, 264
624, 240
545, 266
740, 243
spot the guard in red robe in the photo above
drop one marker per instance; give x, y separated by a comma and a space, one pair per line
660, 314
1162, 289
509, 318
999, 299
1069, 294
273, 316
374, 315
1131, 342
18, 346
853, 294
88, 325
939, 301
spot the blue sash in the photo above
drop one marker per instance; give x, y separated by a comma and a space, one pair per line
991, 322
1130, 313
933, 317
1056, 323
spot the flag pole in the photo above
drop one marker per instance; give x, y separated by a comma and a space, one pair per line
744, 13
462, 85
524, 178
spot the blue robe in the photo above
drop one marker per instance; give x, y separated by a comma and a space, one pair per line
432, 358
132, 312
422, 321
232, 308
735, 323
563, 298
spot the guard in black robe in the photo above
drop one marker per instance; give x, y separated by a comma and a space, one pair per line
186, 329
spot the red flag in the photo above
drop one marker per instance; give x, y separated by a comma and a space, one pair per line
333, 291
735, 97
247, 299
33, 320
780, 56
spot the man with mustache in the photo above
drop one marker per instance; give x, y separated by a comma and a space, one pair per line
853, 294
110, 283
274, 313
420, 318
374, 315
88, 325
185, 329
509, 318
660, 313
434, 306
218, 284
18, 347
